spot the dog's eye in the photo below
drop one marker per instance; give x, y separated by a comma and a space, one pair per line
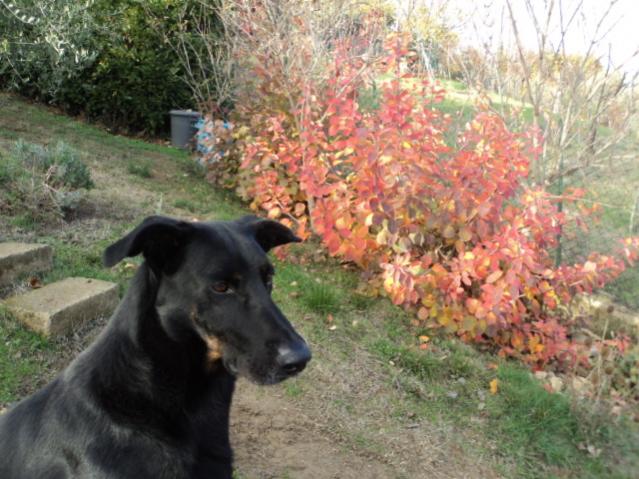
221, 287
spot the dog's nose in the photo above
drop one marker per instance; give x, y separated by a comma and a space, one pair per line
293, 359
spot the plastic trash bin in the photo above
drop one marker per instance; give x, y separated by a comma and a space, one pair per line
183, 127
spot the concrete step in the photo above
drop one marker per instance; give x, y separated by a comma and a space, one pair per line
58, 307
17, 259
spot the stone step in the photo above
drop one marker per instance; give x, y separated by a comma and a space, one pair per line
57, 307
17, 259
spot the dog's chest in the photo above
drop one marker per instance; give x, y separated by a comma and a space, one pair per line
138, 457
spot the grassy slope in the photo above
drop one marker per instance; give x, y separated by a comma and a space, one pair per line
368, 374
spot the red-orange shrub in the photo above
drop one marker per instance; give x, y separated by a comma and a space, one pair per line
441, 220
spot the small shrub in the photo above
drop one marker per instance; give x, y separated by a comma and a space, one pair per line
42, 184
62, 163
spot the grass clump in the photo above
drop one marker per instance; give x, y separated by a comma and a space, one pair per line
139, 168
320, 298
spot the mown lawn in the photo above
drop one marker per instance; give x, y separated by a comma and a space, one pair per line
369, 381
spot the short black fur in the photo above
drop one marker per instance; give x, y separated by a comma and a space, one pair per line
150, 398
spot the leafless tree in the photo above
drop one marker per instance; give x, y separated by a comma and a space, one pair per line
583, 104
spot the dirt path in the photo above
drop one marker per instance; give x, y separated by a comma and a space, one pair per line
273, 438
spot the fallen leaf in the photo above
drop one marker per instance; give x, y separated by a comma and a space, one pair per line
494, 386
329, 318
424, 339
332, 328
35, 283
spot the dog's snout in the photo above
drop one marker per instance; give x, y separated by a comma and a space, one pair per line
293, 359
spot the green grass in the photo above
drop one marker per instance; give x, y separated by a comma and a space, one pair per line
186, 205
543, 433
293, 388
625, 289
19, 361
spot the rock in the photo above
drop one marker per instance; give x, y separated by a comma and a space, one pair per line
17, 259
580, 385
541, 375
556, 383
57, 307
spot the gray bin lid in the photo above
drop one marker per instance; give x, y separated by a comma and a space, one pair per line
190, 113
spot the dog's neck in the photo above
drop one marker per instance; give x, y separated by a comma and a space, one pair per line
163, 380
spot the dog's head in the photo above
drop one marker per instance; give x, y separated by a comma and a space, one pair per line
215, 280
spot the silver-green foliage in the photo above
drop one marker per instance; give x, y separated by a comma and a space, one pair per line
42, 184
44, 43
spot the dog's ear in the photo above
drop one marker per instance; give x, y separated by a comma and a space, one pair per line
158, 238
268, 233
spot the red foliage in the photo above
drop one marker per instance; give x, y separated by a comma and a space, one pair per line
448, 231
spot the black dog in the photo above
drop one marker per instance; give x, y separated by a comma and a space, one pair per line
150, 398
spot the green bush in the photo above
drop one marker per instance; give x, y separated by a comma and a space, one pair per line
109, 62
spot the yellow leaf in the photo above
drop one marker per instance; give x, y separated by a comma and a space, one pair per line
494, 386
590, 267
369, 219
469, 323
424, 339
274, 213
405, 144
428, 301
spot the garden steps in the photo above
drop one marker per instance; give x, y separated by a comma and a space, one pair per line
19, 259
57, 307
